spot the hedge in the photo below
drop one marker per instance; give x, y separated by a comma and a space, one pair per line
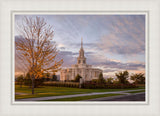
90, 85
108, 86
62, 84
94, 85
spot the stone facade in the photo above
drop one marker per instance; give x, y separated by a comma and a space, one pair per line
84, 70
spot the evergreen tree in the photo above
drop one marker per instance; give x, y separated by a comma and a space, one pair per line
54, 77
122, 77
138, 78
109, 80
20, 80
101, 80
77, 78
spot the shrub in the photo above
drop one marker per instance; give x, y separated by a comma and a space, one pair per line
109, 80
77, 78
101, 80
28, 82
89, 85
62, 84
54, 77
93, 85
120, 86
20, 80
38, 82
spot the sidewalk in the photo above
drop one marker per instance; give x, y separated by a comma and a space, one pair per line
77, 95
130, 97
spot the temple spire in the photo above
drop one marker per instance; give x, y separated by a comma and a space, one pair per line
81, 42
81, 58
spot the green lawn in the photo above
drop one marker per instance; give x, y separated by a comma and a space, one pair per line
84, 97
57, 91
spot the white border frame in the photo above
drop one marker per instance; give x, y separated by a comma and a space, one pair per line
7, 109
146, 13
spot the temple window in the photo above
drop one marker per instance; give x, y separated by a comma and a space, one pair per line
83, 61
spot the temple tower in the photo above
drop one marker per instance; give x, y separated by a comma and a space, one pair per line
81, 58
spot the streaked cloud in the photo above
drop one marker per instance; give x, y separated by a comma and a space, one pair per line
111, 42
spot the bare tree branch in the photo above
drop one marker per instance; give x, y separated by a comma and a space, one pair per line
36, 48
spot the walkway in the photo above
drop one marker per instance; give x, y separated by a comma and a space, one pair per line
19, 93
131, 97
77, 95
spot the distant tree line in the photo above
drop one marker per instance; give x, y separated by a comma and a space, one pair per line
26, 80
121, 80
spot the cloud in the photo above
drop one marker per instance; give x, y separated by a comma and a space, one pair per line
118, 44
70, 57
111, 42
109, 66
62, 48
126, 36
67, 57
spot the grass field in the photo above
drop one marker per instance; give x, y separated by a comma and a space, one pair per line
57, 91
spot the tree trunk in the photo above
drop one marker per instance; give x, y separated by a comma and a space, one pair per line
33, 80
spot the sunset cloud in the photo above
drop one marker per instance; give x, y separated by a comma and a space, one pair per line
111, 42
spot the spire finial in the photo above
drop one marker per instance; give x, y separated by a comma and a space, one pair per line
81, 42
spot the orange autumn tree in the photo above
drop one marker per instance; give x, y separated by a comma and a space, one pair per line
36, 48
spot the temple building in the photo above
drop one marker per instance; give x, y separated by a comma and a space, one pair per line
84, 70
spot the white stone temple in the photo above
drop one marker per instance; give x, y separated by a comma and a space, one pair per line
84, 70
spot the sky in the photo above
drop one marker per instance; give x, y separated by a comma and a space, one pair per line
112, 43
